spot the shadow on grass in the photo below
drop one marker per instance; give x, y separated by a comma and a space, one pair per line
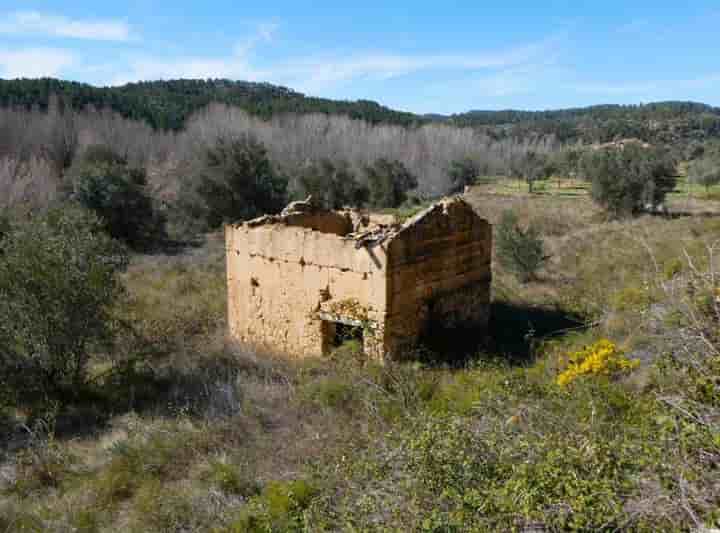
515, 330
207, 389
513, 333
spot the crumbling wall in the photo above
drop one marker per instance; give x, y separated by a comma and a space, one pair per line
279, 277
293, 277
439, 273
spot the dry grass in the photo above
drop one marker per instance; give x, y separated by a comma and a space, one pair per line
210, 436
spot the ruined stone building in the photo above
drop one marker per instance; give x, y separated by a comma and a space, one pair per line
297, 279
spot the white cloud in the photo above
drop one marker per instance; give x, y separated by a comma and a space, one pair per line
37, 23
35, 62
264, 33
145, 69
237, 65
316, 74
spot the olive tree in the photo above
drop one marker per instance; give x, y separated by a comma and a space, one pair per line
625, 180
462, 172
705, 172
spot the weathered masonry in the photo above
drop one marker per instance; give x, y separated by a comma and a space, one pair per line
296, 279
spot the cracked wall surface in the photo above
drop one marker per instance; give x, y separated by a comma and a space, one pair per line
290, 274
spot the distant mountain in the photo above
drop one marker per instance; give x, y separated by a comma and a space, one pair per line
166, 105
653, 111
672, 122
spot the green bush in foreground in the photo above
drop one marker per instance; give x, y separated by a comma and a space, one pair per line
58, 281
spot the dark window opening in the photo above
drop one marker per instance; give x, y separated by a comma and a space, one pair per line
340, 338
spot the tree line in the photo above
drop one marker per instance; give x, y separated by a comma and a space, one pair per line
167, 105
679, 124
37, 147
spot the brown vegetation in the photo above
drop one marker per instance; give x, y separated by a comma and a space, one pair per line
36, 146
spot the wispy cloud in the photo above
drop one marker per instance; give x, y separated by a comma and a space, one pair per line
264, 33
318, 73
35, 62
37, 23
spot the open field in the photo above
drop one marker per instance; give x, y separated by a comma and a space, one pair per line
207, 436
575, 188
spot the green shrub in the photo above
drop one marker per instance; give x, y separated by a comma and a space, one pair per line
234, 180
333, 392
280, 507
462, 173
631, 299
157, 507
86, 520
519, 251
58, 281
104, 183
389, 182
230, 479
672, 268
332, 185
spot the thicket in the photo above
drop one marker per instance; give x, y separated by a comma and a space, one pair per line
35, 146
463, 173
58, 284
232, 180
332, 185
389, 183
103, 182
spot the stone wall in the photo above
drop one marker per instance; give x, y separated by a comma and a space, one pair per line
292, 278
279, 276
439, 273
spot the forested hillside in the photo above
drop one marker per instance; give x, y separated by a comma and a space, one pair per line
41, 138
164, 127
168, 104
675, 123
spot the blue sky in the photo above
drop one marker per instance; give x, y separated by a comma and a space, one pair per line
421, 56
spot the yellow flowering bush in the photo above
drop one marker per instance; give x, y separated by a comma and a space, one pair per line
602, 358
